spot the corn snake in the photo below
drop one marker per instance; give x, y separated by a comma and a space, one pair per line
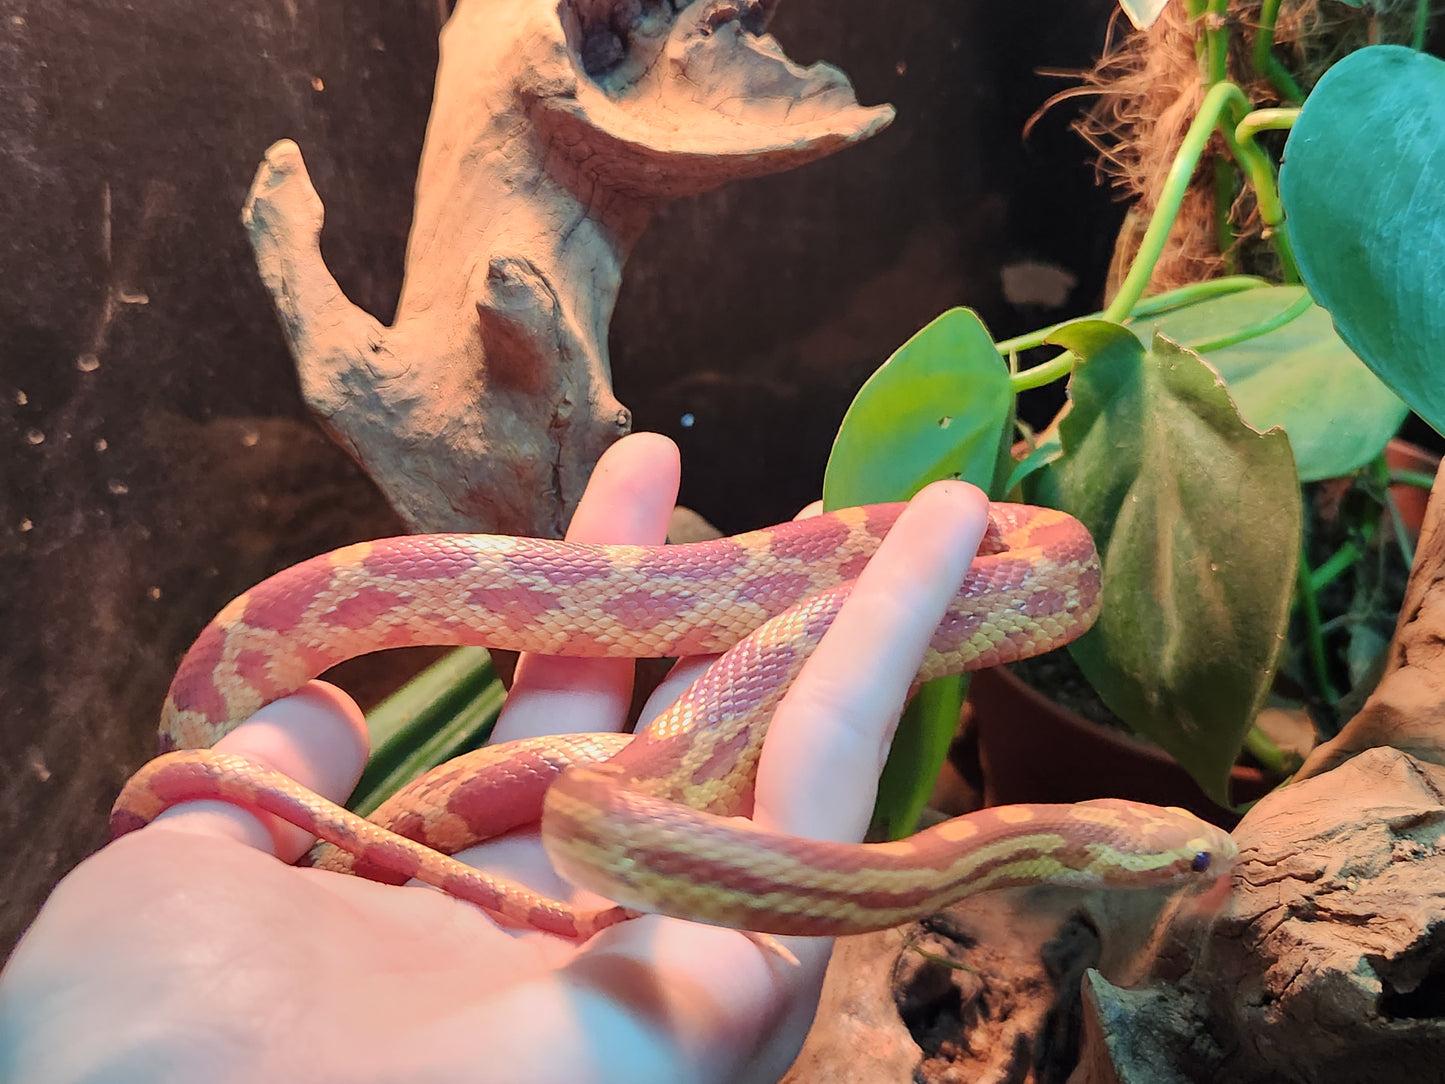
653, 821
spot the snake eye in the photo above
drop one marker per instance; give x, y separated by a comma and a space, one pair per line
1200, 862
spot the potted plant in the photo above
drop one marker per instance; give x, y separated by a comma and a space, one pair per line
1211, 407
1366, 214
1203, 430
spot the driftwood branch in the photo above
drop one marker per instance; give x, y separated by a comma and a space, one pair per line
557, 129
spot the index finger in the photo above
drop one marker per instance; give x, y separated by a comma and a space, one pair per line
830, 735
817, 777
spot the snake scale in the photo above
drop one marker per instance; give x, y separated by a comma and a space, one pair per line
656, 822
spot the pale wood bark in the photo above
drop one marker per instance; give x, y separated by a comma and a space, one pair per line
558, 127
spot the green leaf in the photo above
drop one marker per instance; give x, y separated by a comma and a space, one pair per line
1044, 452
1003, 458
938, 408
1197, 520
446, 709
920, 746
1363, 185
1299, 376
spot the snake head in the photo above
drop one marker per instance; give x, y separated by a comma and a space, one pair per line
1206, 855
1156, 846
1204, 861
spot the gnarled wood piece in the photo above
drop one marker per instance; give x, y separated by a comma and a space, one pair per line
857, 1036
557, 128
986, 990
1328, 962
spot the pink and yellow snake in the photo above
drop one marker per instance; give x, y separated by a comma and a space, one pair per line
655, 822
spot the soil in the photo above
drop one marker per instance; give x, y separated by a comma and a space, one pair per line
1059, 675
982, 1010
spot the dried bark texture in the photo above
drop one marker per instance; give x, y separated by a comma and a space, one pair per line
986, 991
857, 1036
1328, 962
558, 127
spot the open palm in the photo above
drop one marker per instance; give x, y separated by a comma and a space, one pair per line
187, 952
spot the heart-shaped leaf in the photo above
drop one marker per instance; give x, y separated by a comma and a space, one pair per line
1299, 376
938, 408
1197, 520
1363, 185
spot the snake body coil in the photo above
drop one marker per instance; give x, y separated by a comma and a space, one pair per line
654, 825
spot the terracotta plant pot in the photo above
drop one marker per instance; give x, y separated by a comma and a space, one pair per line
1032, 749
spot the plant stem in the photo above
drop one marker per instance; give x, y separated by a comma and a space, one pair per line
1265, 750
1148, 306
1314, 635
1216, 41
1216, 34
1335, 567
1265, 120
1402, 537
1412, 478
1224, 195
1380, 469
1220, 99
1056, 368
911, 944
1282, 80
1254, 331
1019, 343
1259, 170
1266, 63
1171, 197
1194, 9
1195, 291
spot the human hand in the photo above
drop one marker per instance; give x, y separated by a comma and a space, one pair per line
186, 952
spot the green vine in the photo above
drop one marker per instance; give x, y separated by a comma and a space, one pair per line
1225, 109
1189, 294
1254, 331
1266, 63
